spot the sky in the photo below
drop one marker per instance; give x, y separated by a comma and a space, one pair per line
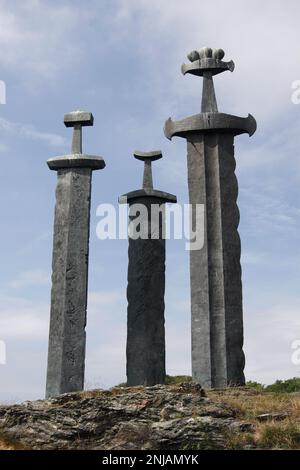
121, 59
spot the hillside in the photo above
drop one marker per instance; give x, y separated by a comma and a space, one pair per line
179, 416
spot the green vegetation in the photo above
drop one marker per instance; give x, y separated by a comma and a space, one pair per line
177, 379
257, 386
285, 386
280, 386
170, 380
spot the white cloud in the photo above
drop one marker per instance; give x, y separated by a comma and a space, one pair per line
99, 300
267, 214
24, 130
278, 148
254, 258
30, 278
254, 36
106, 337
269, 334
44, 38
36, 37
3, 148
23, 319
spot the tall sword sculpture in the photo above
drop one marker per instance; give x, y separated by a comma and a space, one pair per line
66, 353
145, 349
215, 271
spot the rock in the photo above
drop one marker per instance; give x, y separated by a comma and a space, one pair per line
243, 427
159, 417
272, 417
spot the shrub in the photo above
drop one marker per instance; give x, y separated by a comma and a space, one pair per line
255, 385
284, 386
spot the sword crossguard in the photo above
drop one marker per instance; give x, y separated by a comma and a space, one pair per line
78, 119
147, 158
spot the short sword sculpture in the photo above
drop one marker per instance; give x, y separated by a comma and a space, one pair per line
216, 289
146, 279
66, 353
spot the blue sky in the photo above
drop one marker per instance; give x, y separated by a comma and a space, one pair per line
120, 59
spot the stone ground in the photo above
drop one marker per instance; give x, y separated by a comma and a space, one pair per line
181, 416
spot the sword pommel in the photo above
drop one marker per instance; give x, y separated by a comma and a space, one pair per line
81, 118
147, 156
207, 60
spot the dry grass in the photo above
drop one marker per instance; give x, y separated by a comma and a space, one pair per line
115, 391
276, 435
5, 445
248, 404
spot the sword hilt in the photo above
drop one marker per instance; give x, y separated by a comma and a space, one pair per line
147, 158
78, 119
206, 63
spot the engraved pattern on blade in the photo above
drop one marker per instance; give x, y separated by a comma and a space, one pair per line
232, 266
69, 282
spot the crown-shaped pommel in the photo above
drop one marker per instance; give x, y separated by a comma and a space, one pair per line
207, 60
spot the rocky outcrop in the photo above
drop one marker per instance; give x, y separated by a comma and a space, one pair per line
159, 417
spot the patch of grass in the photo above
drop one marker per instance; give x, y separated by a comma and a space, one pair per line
273, 435
248, 403
238, 440
279, 436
